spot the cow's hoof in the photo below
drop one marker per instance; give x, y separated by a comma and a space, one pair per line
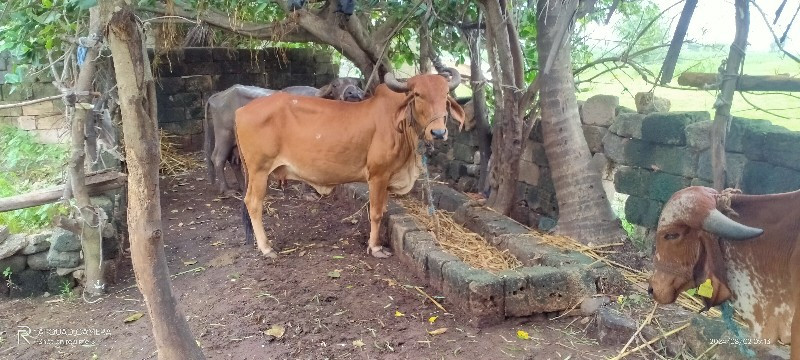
379, 252
269, 254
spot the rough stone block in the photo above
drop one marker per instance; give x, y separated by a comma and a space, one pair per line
189, 127
14, 111
12, 244
783, 149
669, 159
764, 178
487, 223
628, 125
29, 283
205, 68
37, 243
525, 247
633, 181
26, 122
197, 54
647, 103
3, 233
399, 225
600, 110
480, 291
198, 83
53, 136
195, 113
16, 92
67, 259
606, 280
224, 54
613, 328
551, 289
698, 135
734, 164
186, 99
614, 148
447, 198
39, 262
225, 81
670, 128
529, 172
169, 85
104, 202
701, 182
463, 152
663, 185
171, 115
594, 137
62, 240
435, 263
456, 169
174, 69
56, 284
417, 245
15, 263
51, 122
643, 212
559, 258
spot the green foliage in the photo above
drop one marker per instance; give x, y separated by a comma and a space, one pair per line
7, 273
66, 291
26, 166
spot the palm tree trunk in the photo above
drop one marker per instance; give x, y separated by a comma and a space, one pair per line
584, 211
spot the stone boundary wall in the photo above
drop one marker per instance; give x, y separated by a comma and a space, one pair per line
44, 120
647, 155
551, 280
185, 79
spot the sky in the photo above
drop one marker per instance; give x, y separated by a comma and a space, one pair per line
713, 23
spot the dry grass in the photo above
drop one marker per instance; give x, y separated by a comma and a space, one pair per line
464, 244
172, 161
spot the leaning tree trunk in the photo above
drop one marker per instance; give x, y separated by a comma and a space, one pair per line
584, 212
482, 128
730, 78
137, 100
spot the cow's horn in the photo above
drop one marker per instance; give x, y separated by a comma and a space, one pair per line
393, 84
719, 224
455, 77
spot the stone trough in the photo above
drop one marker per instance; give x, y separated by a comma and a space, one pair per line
550, 280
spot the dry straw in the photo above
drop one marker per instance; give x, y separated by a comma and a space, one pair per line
464, 244
172, 161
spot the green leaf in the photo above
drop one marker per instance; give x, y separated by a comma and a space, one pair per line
47, 4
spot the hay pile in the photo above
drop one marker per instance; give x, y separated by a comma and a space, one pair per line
172, 161
464, 244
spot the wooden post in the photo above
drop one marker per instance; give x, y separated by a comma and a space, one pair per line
137, 100
730, 77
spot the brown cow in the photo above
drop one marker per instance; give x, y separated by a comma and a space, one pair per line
695, 241
220, 108
326, 143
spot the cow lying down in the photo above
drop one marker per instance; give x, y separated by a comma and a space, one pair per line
751, 256
325, 143
218, 125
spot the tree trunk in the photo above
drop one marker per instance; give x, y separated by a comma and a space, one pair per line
137, 100
668, 68
710, 81
425, 49
730, 77
507, 135
584, 211
90, 217
482, 130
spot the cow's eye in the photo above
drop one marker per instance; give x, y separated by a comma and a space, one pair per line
671, 236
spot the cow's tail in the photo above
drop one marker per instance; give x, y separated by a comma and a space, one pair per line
208, 144
247, 223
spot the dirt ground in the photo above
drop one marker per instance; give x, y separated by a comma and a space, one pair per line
329, 297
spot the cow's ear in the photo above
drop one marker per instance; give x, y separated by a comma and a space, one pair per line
714, 270
456, 112
325, 92
402, 112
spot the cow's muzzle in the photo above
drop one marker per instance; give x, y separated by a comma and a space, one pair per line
438, 134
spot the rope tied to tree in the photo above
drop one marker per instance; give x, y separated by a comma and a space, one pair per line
427, 188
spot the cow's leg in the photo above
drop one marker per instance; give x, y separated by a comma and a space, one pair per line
219, 156
254, 200
378, 195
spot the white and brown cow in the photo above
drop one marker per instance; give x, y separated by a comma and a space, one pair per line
751, 257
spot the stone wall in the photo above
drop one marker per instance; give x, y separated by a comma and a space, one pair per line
647, 156
187, 77
45, 120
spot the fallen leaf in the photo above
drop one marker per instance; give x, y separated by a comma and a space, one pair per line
522, 334
397, 313
438, 331
335, 274
705, 289
691, 292
218, 243
276, 330
174, 211
189, 262
337, 257
620, 299
432, 319
180, 224
133, 317
358, 343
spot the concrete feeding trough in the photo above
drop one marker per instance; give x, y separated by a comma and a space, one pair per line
549, 280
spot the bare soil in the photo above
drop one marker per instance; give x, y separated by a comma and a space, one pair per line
332, 299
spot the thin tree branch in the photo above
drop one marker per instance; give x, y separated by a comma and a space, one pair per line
772, 31
668, 67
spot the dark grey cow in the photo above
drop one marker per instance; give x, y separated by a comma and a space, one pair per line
220, 112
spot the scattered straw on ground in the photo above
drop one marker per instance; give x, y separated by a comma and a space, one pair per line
172, 161
464, 244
